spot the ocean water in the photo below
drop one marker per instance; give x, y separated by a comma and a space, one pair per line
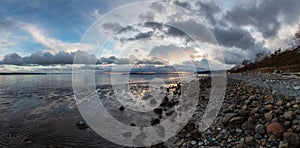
43, 108
25, 82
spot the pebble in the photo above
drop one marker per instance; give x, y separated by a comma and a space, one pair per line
236, 121
158, 111
155, 121
289, 115
258, 136
241, 145
269, 116
196, 134
279, 103
291, 138
254, 110
81, 124
275, 129
121, 108
27, 140
259, 128
249, 139
268, 107
283, 144
193, 142
251, 117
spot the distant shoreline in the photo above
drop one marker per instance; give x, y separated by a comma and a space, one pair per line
123, 73
21, 73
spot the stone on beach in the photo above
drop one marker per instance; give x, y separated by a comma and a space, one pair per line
27, 140
236, 121
155, 121
158, 111
164, 102
81, 124
275, 129
227, 117
289, 115
291, 138
121, 108
259, 128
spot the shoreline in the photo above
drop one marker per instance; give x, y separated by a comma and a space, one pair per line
247, 111
251, 116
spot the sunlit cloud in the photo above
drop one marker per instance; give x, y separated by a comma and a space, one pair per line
53, 44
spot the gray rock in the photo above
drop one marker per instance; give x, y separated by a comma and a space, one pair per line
258, 136
27, 140
283, 144
158, 111
241, 145
279, 103
249, 140
81, 124
236, 121
254, 110
291, 138
227, 117
269, 115
289, 115
121, 108
260, 128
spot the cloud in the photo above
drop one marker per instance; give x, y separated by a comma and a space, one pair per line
158, 7
210, 10
237, 37
173, 54
194, 29
152, 61
96, 13
11, 36
182, 4
266, 16
52, 43
144, 31
13, 59
131, 60
47, 58
112, 26
147, 17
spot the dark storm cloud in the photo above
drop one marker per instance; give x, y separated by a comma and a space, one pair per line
192, 29
265, 15
153, 25
47, 58
234, 57
139, 36
234, 37
13, 59
115, 60
210, 10
183, 4
126, 33
246, 45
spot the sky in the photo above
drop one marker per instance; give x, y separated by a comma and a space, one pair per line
101, 31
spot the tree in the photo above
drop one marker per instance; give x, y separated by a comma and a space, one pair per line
297, 36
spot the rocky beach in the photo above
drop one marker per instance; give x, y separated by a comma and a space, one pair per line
256, 112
